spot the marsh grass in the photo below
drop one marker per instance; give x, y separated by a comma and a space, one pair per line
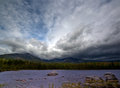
71, 85
82, 85
2, 85
52, 86
91, 85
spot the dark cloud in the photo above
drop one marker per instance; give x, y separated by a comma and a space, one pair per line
15, 45
76, 45
100, 51
103, 2
61, 28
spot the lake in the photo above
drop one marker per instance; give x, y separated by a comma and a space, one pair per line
39, 78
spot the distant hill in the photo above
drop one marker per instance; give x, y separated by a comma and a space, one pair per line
76, 60
23, 56
27, 56
68, 59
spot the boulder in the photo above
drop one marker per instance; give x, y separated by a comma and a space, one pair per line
53, 73
94, 82
94, 85
97, 79
91, 79
110, 77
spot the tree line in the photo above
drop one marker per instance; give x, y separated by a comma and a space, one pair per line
18, 64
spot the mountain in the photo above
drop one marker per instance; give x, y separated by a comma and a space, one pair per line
23, 56
77, 60
27, 56
68, 59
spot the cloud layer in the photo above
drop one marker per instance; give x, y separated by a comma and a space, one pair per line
61, 28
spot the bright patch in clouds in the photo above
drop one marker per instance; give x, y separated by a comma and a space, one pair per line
60, 28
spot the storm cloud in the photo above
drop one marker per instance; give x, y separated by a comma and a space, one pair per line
61, 28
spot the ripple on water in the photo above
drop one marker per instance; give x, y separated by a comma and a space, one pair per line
39, 78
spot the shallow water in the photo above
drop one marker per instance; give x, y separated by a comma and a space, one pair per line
39, 78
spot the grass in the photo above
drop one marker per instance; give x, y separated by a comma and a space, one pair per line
94, 85
71, 85
2, 85
80, 85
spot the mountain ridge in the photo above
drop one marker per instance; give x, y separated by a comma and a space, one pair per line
28, 56
23, 56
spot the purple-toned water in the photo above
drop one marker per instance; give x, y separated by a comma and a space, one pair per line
39, 78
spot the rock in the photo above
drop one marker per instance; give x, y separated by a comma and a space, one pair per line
86, 84
30, 78
45, 78
94, 82
98, 82
23, 80
91, 79
93, 85
98, 79
110, 77
53, 73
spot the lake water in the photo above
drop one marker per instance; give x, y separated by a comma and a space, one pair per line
39, 78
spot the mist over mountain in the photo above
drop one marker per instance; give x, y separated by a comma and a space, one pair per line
30, 57
22, 56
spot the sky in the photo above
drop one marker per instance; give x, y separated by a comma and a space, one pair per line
85, 29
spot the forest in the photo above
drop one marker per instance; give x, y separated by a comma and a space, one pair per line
17, 64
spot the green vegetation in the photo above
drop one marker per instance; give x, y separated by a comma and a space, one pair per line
10, 64
93, 85
85, 85
2, 85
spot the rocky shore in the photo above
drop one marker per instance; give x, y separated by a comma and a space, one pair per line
60, 79
109, 81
